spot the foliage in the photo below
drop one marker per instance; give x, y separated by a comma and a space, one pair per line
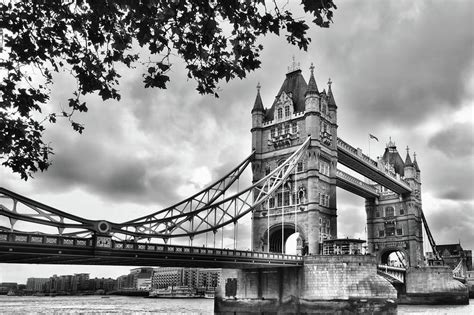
89, 39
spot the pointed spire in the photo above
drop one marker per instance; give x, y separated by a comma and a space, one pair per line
312, 87
415, 163
408, 161
331, 101
258, 106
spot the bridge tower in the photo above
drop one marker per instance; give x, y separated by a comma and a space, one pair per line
394, 222
306, 204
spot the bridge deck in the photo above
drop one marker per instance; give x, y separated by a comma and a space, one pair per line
52, 249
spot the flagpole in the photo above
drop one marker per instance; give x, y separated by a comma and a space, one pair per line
369, 145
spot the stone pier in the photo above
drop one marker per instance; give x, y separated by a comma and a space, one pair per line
433, 285
326, 284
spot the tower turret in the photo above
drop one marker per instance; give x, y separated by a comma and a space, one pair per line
258, 114
312, 101
409, 168
417, 169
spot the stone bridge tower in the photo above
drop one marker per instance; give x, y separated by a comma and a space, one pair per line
307, 203
394, 222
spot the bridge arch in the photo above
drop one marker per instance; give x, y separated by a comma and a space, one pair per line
388, 253
276, 236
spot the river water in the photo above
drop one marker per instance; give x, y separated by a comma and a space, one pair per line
139, 305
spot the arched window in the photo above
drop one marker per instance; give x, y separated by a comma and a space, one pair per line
280, 113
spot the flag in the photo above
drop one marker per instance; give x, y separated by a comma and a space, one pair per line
371, 136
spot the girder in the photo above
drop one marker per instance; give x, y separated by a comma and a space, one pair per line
206, 211
356, 186
201, 199
349, 156
214, 216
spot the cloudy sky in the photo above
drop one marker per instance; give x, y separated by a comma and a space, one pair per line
400, 69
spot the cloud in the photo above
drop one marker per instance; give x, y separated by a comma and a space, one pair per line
403, 62
455, 141
450, 221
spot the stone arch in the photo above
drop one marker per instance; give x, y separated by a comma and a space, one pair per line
276, 235
383, 255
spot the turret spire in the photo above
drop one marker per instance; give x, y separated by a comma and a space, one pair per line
331, 101
258, 106
415, 163
312, 87
408, 161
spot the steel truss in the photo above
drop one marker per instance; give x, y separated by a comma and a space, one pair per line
206, 211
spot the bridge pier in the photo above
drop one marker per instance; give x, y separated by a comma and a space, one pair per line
433, 285
325, 284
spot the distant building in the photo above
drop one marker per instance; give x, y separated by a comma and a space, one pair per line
102, 284
452, 255
209, 278
80, 282
137, 279
167, 277
36, 284
7, 286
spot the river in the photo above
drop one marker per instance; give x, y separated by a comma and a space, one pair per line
139, 305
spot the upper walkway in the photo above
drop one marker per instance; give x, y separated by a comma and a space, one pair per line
355, 185
354, 159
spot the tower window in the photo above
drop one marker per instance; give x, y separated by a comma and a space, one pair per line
299, 167
280, 113
399, 231
279, 200
389, 212
271, 202
286, 198
324, 200
381, 233
390, 230
294, 127
272, 133
280, 130
323, 109
324, 168
287, 111
287, 128
402, 211
377, 214
324, 127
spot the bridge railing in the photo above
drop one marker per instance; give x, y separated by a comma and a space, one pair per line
356, 152
51, 240
397, 273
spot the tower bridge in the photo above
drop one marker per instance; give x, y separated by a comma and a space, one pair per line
294, 162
